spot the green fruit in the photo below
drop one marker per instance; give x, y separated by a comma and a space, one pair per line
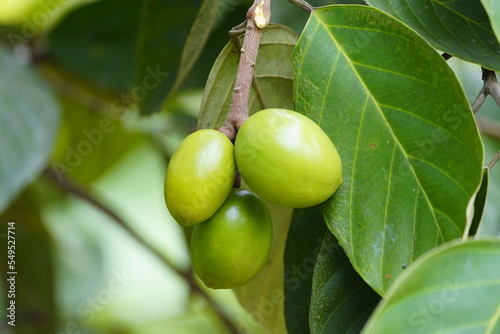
231, 247
199, 177
287, 159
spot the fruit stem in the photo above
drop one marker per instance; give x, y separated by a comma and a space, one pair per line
258, 17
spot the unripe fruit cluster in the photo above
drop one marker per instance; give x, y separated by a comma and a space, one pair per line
283, 156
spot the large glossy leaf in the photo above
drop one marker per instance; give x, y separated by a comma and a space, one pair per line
33, 264
341, 301
453, 290
101, 49
411, 153
458, 27
493, 9
263, 296
29, 119
273, 74
305, 237
163, 29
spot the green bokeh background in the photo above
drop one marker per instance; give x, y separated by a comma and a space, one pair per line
126, 172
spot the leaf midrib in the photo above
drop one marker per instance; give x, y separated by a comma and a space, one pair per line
370, 96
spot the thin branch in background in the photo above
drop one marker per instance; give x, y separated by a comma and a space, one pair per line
446, 56
490, 87
489, 127
82, 193
494, 160
478, 102
258, 17
302, 4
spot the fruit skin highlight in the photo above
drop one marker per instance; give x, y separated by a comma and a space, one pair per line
199, 177
231, 247
287, 159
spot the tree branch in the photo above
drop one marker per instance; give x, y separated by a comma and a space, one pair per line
302, 4
80, 192
490, 87
258, 17
478, 102
489, 127
494, 160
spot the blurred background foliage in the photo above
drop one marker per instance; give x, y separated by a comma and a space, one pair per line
71, 255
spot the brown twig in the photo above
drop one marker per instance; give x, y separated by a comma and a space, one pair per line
302, 4
494, 160
80, 192
489, 127
258, 17
490, 87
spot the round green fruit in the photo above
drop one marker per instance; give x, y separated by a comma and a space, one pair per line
199, 177
231, 247
287, 159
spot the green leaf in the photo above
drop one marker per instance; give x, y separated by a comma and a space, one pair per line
101, 49
34, 282
198, 36
29, 120
303, 244
479, 203
263, 296
163, 29
460, 297
341, 301
493, 9
273, 74
458, 27
411, 152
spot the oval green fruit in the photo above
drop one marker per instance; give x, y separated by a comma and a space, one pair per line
287, 159
199, 177
231, 247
